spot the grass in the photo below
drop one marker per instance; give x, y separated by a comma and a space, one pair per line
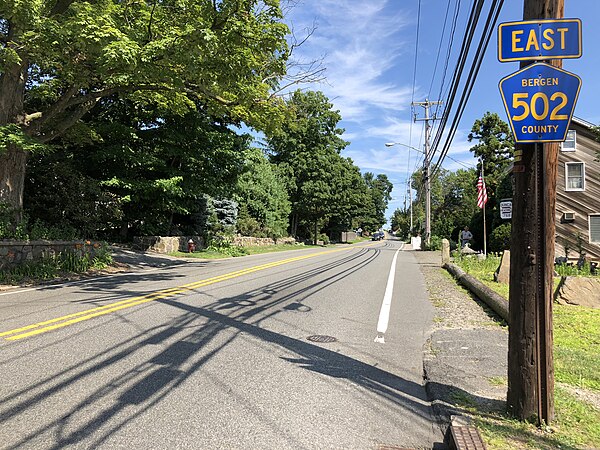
216, 253
576, 427
50, 267
576, 365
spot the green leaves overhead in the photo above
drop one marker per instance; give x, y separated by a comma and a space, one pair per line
228, 54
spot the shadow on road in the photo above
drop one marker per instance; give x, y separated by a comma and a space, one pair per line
95, 417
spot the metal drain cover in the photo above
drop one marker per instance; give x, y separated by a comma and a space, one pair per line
321, 338
467, 438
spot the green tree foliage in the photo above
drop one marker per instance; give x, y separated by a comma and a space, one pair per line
351, 198
307, 149
58, 59
135, 172
500, 237
379, 190
401, 223
495, 147
263, 199
453, 201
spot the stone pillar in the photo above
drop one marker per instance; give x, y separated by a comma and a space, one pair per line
445, 251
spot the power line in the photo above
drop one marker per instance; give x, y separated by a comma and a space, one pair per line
414, 82
466, 44
489, 28
437, 58
449, 52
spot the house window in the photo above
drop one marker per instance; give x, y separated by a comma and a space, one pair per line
575, 176
595, 228
569, 144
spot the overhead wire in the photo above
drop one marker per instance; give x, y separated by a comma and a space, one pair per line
487, 32
476, 9
414, 82
448, 53
437, 58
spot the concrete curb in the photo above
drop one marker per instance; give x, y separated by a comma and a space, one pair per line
494, 300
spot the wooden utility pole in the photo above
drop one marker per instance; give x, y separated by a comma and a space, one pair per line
426, 163
530, 358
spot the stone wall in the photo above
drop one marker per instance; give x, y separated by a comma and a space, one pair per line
13, 253
166, 244
170, 244
247, 241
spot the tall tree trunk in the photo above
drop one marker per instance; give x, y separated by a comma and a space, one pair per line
12, 179
12, 158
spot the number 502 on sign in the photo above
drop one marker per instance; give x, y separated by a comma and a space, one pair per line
539, 101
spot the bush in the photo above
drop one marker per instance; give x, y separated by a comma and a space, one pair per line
435, 243
223, 245
324, 238
500, 238
249, 226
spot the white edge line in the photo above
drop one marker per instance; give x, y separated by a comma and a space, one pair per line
384, 313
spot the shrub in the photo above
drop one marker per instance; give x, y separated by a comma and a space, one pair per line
500, 238
435, 243
324, 238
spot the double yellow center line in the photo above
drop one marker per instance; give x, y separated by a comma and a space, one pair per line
70, 319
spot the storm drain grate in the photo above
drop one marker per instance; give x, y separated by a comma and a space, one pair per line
467, 438
321, 338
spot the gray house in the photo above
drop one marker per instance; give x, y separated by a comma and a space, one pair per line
578, 193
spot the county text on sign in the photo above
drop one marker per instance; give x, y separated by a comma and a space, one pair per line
540, 100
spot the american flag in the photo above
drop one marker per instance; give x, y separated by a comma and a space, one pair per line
482, 197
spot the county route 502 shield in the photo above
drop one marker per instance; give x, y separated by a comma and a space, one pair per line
540, 100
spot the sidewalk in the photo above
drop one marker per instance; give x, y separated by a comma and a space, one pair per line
465, 364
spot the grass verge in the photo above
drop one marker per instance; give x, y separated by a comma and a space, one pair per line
231, 252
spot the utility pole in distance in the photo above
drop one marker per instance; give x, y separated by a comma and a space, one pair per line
427, 104
530, 358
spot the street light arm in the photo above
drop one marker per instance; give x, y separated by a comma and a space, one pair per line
391, 144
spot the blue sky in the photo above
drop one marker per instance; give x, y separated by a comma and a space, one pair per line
368, 50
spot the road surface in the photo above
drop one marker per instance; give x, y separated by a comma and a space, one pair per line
306, 349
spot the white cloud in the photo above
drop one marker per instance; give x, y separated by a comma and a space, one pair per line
360, 44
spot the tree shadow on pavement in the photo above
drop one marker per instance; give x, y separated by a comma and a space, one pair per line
184, 345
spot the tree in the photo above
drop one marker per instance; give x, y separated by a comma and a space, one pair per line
401, 223
307, 149
380, 190
495, 148
134, 170
453, 201
58, 59
263, 199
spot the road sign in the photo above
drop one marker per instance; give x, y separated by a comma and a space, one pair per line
539, 39
506, 209
540, 100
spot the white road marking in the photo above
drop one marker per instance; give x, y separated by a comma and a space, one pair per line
384, 312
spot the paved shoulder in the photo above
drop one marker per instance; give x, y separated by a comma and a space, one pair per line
466, 360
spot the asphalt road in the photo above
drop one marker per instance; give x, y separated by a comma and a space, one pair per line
274, 351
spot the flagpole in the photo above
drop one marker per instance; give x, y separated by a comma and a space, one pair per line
484, 227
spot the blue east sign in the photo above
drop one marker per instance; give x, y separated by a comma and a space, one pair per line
540, 39
540, 100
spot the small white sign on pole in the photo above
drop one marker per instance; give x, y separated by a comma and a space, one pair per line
506, 209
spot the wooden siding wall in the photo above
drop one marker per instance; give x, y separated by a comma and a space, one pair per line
581, 203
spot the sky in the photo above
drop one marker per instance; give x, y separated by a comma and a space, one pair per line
368, 48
